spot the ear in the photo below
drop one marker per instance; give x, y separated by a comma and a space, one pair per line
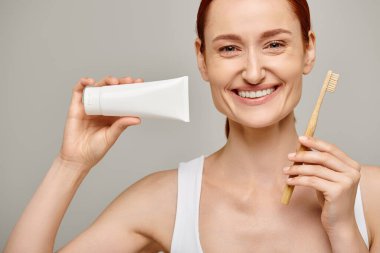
201, 60
309, 54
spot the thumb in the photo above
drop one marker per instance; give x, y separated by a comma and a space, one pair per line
120, 125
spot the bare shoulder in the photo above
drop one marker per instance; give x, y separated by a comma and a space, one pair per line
369, 182
140, 219
154, 183
152, 201
369, 171
370, 187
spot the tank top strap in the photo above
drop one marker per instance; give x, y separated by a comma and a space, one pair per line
186, 229
359, 216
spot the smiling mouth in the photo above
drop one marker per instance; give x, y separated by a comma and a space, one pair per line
255, 94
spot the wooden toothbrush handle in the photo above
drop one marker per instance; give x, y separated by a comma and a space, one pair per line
288, 191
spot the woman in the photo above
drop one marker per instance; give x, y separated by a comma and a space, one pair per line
254, 54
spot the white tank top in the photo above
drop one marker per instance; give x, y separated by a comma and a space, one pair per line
186, 232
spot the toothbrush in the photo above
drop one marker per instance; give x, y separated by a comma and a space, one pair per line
328, 85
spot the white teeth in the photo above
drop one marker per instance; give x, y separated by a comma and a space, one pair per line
255, 94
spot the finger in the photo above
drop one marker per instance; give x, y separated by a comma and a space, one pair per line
323, 146
79, 87
313, 170
139, 80
109, 80
320, 158
115, 130
109, 120
126, 80
330, 190
317, 183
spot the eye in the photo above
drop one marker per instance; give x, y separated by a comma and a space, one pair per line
275, 46
229, 50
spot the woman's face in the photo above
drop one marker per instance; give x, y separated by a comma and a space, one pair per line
254, 59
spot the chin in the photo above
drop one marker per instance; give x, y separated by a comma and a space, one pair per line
262, 121
258, 124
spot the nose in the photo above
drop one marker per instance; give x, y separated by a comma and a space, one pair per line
253, 73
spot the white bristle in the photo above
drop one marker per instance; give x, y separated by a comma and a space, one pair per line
331, 86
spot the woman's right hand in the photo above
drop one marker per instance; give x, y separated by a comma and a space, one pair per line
87, 138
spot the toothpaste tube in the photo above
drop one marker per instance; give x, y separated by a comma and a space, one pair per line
167, 99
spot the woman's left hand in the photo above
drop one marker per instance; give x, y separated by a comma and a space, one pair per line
335, 177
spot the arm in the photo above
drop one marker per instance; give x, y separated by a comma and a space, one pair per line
86, 140
123, 227
37, 228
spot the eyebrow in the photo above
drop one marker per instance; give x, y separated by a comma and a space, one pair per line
227, 37
274, 32
264, 35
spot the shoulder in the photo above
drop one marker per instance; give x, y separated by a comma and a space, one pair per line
154, 183
148, 206
152, 196
368, 172
369, 182
370, 187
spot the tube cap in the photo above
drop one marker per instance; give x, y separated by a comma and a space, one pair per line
91, 100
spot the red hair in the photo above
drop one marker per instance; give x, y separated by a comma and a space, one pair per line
299, 7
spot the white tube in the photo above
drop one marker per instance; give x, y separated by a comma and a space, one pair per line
167, 99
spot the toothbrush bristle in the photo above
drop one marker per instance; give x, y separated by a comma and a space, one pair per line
331, 86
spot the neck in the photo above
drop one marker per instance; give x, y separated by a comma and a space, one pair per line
257, 156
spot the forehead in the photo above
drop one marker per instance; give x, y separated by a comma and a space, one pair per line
250, 17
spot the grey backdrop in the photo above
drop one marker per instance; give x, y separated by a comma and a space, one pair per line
46, 46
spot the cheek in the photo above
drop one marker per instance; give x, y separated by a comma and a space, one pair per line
222, 74
290, 64
221, 71
292, 77
217, 99
294, 89
289, 68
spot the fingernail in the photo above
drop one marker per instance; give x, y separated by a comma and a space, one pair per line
291, 155
286, 168
303, 138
